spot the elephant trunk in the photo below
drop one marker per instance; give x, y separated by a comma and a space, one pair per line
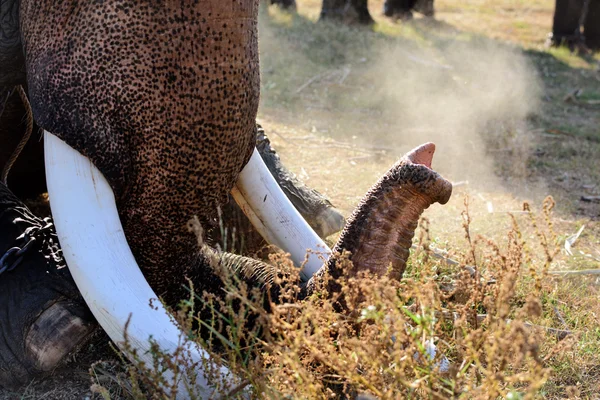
379, 233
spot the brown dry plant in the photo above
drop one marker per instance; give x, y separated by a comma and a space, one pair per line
478, 337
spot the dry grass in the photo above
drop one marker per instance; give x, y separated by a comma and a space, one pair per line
498, 333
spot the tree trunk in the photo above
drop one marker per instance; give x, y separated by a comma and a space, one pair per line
348, 11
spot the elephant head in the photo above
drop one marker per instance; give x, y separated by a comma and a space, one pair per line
161, 97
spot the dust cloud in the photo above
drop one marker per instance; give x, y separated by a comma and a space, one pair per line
471, 98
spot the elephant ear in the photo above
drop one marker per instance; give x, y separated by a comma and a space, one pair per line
12, 58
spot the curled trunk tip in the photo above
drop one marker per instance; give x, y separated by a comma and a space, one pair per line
380, 230
428, 182
422, 155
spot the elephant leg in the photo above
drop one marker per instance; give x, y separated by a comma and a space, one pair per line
399, 9
348, 11
424, 7
286, 4
591, 25
42, 315
566, 23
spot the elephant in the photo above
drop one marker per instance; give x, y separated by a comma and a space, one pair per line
57, 286
402, 9
569, 16
156, 103
357, 11
349, 11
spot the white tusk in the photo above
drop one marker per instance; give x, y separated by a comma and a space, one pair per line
276, 219
102, 265
254, 219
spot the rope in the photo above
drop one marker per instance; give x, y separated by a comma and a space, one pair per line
29, 115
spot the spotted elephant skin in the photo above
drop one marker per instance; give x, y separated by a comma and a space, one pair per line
162, 97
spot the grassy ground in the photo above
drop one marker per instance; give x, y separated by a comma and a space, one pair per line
342, 103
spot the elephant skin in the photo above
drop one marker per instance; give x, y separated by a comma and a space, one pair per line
174, 119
